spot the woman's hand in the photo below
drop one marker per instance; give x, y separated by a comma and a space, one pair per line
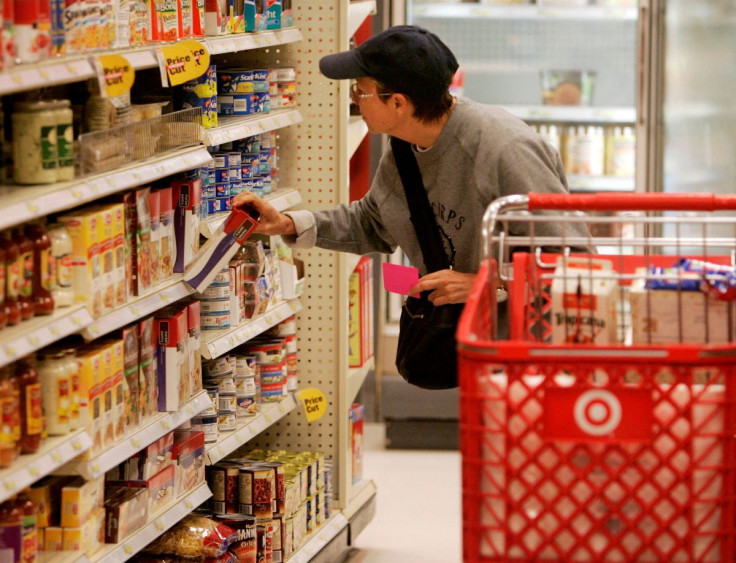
271, 221
446, 286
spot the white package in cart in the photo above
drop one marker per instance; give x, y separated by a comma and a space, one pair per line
667, 316
584, 302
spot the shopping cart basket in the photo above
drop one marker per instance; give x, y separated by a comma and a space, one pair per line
602, 428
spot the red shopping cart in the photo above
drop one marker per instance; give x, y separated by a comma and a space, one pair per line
603, 427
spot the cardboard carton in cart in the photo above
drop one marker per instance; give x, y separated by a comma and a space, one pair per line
582, 451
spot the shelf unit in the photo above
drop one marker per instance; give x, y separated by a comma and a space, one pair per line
157, 524
574, 114
32, 335
25, 203
215, 343
76, 68
144, 435
53, 453
228, 442
282, 199
61, 557
232, 128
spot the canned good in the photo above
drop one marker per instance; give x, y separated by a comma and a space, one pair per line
208, 425
227, 422
222, 160
215, 321
214, 306
235, 81
237, 104
220, 204
218, 367
217, 291
211, 410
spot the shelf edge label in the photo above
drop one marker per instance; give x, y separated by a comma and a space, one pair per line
183, 62
315, 403
115, 74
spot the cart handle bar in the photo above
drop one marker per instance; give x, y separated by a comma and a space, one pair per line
632, 202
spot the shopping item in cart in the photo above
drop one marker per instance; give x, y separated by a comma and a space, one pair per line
574, 450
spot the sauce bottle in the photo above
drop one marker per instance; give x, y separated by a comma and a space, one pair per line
43, 269
13, 270
25, 283
31, 407
72, 370
9, 449
3, 309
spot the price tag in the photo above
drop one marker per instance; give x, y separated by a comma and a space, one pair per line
114, 73
56, 457
183, 61
159, 526
9, 485
10, 351
128, 549
315, 403
32, 207
34, 471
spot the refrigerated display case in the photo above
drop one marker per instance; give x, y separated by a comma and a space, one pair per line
570, 71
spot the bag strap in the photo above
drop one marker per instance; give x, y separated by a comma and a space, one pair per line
422, 216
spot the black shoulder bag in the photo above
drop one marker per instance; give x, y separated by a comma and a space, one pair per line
426, 354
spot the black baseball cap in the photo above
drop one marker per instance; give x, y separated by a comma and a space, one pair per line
405, 58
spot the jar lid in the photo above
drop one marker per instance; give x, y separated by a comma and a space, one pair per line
26, 12
29, 107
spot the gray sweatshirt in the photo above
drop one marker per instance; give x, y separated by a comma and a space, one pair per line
483, 153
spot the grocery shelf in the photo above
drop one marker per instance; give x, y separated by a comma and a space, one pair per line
356, 377
522, 12
247, 41
358, 11
574, 114
228, 442
320, 538
215, 343
25, 203
146, 434
53, 453
139, 307
157, 525
360, 493
579, 183
281, 199
231, 128
357, 130
38, 332
61, 557
76, 68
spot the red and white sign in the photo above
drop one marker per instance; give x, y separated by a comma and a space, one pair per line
598, 414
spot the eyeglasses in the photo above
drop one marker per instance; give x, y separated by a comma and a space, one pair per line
356, 95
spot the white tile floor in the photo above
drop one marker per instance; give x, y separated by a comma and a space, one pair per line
418, 516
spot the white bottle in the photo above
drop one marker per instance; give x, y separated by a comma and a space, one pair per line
551, 134
55, 392
62, 289
621, 152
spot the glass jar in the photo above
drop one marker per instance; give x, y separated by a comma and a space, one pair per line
64, 139
43, 268
72, 369
56, 392
62, 289
34, 143
9, 449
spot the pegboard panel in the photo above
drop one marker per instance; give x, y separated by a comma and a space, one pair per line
312, 158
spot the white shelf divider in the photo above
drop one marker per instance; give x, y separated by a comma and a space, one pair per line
24, 203
522, 12
53, 453
156, 525
228, 442
358, 11
360, 493
215, 343
357, 130
141, 437
281, 199
320, 539
356, 377
139, 307
232, 128
574, 114
247, 41
34, 334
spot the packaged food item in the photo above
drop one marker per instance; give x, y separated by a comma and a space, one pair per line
80, 499
63, 116
126, 510
194, 537
25, 281
172, 338
56, 392
31, 406
61, 281
12, 272
34, 143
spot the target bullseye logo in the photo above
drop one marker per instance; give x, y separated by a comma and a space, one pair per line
597, 412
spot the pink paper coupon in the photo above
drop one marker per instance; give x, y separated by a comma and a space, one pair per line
399, 279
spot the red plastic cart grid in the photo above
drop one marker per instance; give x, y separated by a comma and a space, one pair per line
587, 452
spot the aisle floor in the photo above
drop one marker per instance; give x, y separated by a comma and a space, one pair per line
418, 515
